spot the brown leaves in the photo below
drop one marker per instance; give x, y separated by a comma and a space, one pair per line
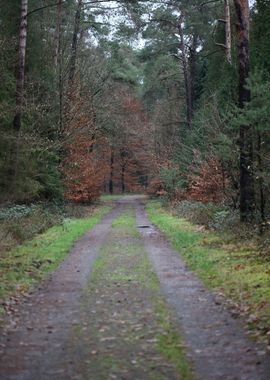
210, 184
85, 163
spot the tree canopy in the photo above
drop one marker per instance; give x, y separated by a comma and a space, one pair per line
165, 97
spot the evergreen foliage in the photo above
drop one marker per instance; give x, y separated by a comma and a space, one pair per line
131, 95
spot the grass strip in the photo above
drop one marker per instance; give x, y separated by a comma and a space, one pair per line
110, 268
235, 269
27, 264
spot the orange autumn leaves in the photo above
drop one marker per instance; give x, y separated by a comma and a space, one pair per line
126, 158
87, 167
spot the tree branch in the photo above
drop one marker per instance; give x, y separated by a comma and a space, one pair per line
221, 45
209, 2
44, 7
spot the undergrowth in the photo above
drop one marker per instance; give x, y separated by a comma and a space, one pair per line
233, 267
22, 222
28, 263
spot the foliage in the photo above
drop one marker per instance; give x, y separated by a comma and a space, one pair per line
84, 166
16, 212
22, 222
209, 215
105, 102
210, 184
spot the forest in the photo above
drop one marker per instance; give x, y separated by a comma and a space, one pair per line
169, 98
148, 115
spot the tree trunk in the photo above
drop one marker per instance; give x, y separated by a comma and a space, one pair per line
73, 57
228, 33
261, 179
247, 194
123, 167
185, 71
61, 96
123, 178
111, 173
192, 65
58, 62
57, 32
17, 121
21, 67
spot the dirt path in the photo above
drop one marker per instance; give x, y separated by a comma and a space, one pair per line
35, 344
217, 343
111, 322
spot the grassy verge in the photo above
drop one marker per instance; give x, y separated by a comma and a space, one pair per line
123, 264
115, 197
19, 223
27, 264
234, 269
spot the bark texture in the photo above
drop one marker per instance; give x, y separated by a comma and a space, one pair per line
228, 33
73, 57
185, 66
57, 32
247, 195
111, 173
21, 66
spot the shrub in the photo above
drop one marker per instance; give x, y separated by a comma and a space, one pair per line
211, 215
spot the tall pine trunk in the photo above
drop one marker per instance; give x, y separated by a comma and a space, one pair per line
74, 47
21, 66
58, 62
123, 170
247, 193
261, 177
186, 73
57, 33
17, 120
111, 172
228, 33
192, 65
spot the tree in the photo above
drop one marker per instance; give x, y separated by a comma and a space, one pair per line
247, 195
21, 66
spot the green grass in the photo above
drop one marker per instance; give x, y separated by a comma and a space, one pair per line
170, 344
125, 220
29, 263
235, 269
113, 197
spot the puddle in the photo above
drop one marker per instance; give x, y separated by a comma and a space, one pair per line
147, 229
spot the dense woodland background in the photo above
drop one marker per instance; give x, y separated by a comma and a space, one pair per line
171, 98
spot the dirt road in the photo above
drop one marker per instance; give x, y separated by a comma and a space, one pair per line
101, 314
